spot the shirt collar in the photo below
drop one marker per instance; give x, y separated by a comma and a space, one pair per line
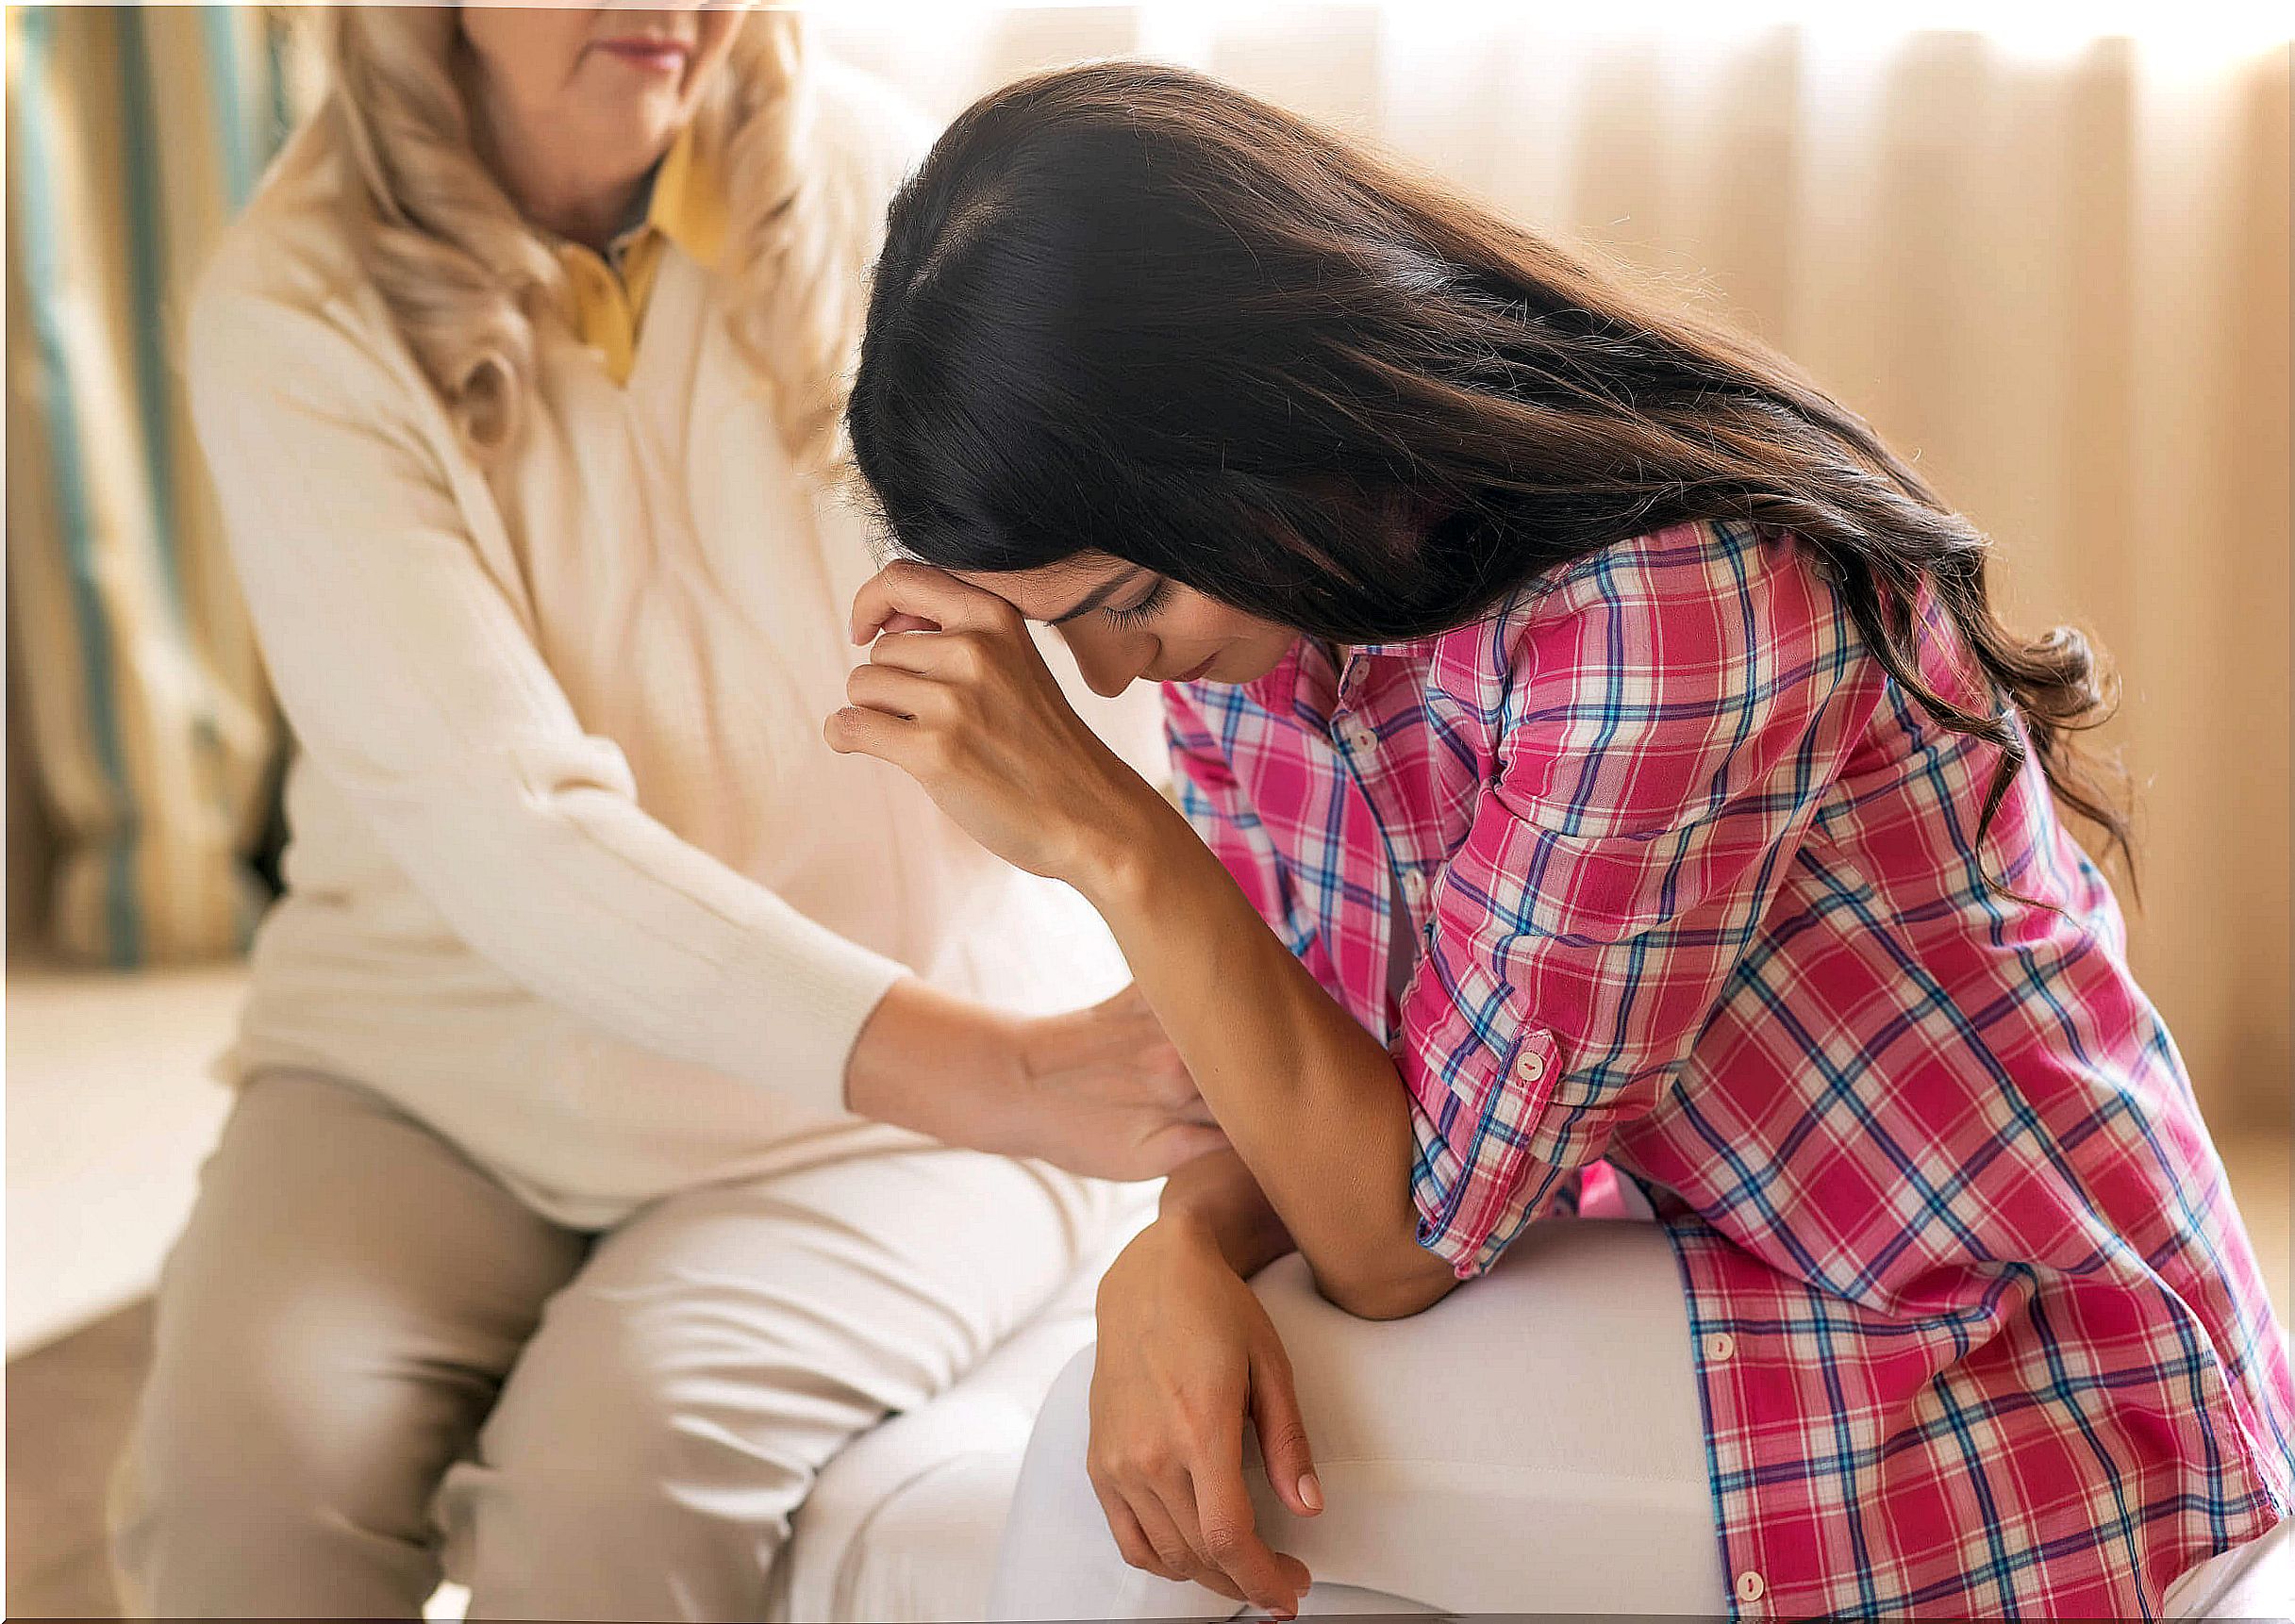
1285, 688
686, 201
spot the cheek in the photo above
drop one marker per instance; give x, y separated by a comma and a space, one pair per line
1222, 626
527, 54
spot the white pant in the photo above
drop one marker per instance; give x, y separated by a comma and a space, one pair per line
1532, 1443
373, 1361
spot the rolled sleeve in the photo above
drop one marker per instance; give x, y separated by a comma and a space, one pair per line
1678, 707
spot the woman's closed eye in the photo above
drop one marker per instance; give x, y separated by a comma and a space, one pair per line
1142, 610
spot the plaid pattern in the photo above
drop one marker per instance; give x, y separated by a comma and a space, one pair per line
1698, 896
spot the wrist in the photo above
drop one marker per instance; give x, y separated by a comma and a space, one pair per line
1170, 1243
939, 1066
1123, 858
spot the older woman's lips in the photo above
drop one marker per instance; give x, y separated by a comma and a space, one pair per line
1197, 675
656, 55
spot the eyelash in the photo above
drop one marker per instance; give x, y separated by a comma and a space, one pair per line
1144, 609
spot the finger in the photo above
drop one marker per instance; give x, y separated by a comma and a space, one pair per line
898, 694
932, 595
1228, 1536
1177, 1557
1176, 1492
1131, 1539
857, 730
955, 654
1283, 1441
908, 623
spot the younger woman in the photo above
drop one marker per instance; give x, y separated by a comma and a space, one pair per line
1613, 785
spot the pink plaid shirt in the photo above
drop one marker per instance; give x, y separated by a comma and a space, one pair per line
1694, 889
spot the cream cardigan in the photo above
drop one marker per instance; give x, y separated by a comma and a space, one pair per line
573, 879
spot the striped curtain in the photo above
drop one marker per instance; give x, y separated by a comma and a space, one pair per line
134, 133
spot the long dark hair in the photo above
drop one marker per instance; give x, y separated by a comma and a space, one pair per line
1124, 307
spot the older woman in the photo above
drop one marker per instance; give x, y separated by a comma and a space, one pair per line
579, 1169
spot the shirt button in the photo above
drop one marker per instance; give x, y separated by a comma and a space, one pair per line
1362, 739
1750, 1586
1531, 1067
1414, 887
1720, 1346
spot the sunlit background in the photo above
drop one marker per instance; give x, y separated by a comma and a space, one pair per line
2045, 249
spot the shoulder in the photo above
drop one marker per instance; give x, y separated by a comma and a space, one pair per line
282, 302
1694, 602
1646, 683
287, 246
284, 336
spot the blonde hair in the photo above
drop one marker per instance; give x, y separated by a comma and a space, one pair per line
466, 278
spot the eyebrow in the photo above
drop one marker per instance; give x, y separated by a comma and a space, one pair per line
1108, 590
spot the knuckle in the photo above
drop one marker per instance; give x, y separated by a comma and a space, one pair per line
967, 658
1224, 1540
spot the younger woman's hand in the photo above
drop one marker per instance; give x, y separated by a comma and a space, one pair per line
1188, 1358
970, 710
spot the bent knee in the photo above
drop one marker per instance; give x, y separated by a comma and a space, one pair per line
612, 1415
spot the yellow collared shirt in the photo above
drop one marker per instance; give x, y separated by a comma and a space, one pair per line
687, 207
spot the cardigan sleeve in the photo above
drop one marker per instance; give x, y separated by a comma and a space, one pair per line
413, 684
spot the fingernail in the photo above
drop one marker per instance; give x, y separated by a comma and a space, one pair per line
1310, 1492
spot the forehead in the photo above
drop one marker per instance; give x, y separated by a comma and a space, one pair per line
1049, 592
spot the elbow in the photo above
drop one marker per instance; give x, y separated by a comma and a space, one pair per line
1388, 1295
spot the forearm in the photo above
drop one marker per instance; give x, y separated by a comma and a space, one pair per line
1314, 1107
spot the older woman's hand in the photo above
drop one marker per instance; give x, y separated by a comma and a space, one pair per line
970, 710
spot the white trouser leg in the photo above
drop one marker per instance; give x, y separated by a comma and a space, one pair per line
352, 1296
1532, 1444
668, 1415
